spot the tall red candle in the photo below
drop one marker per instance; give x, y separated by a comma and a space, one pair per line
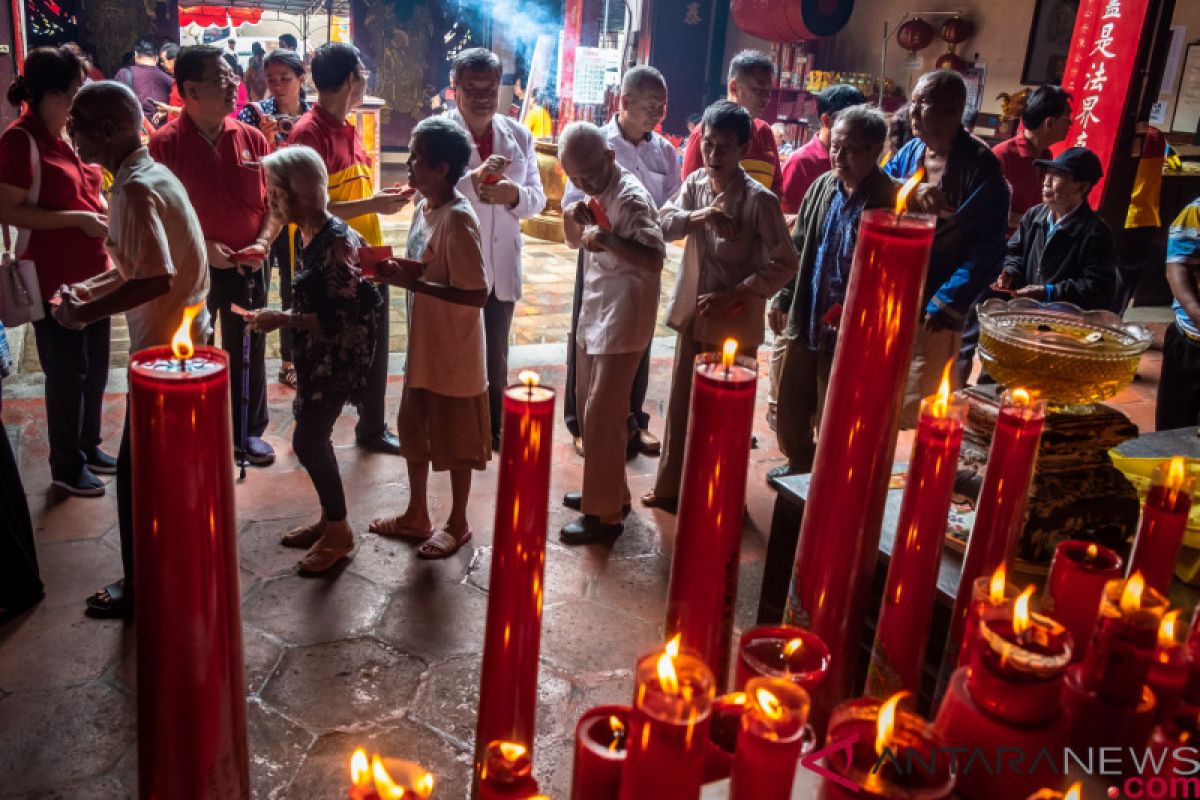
839, 537
1000, 513
712, 502
770, 740
908, 597
507, 773
1078, 574
1164, 518
1170, 668
599, 753
669, 727
782, 651
508, 675
991, 597
190, 687
726, 723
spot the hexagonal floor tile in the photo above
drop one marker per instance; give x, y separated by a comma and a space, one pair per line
277, 748
435, 620
259, 549
260, 655
304, 610
393, 563
572, 634
566, 577
637, 586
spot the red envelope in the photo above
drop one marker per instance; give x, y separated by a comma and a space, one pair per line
598, 212
370, 256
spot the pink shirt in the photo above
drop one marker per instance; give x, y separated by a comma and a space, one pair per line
803, 167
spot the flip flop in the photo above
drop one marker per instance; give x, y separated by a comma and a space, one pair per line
442, 544
392, 528
111, 602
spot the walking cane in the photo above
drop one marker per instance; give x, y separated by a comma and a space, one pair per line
245, 410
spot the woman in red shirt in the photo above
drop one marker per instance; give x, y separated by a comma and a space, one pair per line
56, 199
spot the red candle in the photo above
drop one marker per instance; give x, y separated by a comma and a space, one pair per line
1000, 513
1179, 730
712, 502
599, 753
839, 537
1078, 574
1170, 668
907, 605
1191, 693
782, 651
1123, 642
669, 727
1164, 518
880, 737
374, 780
770, 740
508, 675
1052, 794
190, 686
507, 773
723, 736
990, 598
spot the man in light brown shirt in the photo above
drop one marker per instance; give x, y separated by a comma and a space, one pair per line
738, 254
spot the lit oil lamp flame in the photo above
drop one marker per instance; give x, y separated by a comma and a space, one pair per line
1021, 611
385, 787
941, 402
511, 751
906, 189
617, 728
1176, 473
181, 342
1074, 792
728, 352
1021, 397
360, 768
667, 677
1131, 597
996, 587
424, 787
1166, 629
1092, 551
792, 647
528, 377
885, 724
769, 703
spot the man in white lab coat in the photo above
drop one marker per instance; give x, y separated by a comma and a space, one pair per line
503, 186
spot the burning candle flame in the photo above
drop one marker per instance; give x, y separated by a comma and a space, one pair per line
769, 703
885, 724
1021, 611
528, 377
941, 403
181, 342
1073, 792
667, 677
737, 698
1021, 397
1092, 551
1166, 629
373, 774
1176, 473
1131, 597
792, 647
424, 787
618, 732
511, 751
906, 189
360, 768
728, 352
385, 787
996, 587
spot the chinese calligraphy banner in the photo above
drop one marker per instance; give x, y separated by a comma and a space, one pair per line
1099, 74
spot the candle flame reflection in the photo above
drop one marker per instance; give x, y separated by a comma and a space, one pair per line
617, 728
906, 189
1092, 551
1073, 792
1166, 629
360, 768
885, 724
667, 677
1131, 597
1021, 611
181, 342
792, 647
769, 703
996, 587
728, 352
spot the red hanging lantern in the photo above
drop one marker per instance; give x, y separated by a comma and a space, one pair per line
950, 60
791, 20
915, 34
957, 30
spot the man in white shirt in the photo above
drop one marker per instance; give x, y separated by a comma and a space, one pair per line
160, 266
653, 161
503, 186
624, 252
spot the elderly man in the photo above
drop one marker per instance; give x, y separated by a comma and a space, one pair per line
158, 253
964, 187
812, 160
825, 234
1062, 250
751, 78
504, 187
623, 259
1044, 122
652, 160
216, 158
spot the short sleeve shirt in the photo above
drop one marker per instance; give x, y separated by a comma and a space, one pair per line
802, 168
1024, 177
761, 161
652, 161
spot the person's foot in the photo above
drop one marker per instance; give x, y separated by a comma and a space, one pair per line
258, 452
287, 375
85, 484
443, 543
335, 543
652, 500
574, 501
304, 536
386, 443
101, 463
111, 602
648, 443
405, 526
579, 446
589, 529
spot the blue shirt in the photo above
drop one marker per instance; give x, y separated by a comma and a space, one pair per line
1183, 247
832, 266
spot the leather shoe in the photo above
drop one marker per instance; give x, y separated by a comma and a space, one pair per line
386, 443
648, 443
588, 529
258, 452
578, 446
574, 501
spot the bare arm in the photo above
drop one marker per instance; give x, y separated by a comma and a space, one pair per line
127, 294
15, 211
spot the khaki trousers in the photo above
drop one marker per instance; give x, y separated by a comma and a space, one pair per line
803, 384
930, 354
779, 351
602, 386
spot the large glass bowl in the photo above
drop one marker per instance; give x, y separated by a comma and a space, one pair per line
1072, 358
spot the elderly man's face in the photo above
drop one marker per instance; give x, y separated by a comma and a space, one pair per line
721, 152
752, 91
1061, 191
851, 157
478, 94
90, 138
932, 116
589, 167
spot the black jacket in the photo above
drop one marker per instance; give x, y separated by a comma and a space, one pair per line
1078, 262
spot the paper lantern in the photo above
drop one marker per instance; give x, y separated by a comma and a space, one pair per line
915, 34
951, 60
792, 20
957, 30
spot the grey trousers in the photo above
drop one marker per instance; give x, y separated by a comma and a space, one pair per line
602, 384
497, 323
803, 383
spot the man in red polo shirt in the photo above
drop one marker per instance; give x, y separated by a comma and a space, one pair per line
216, 158
1044, 122
812, 160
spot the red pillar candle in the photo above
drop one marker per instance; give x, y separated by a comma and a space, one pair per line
380, 780
723, 736
507, 773
782, 651
599, 753
508, 675
1191, 693
1164, 518
1000, 512
190, 687
712, 502
839, 537
1123, 642
1078, 574
1171, 736
878, 738
907, 605
770, 740
990, 597
1054, 794
1170, 668
669, 726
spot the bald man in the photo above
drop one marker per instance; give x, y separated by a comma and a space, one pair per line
158, 253
616, 224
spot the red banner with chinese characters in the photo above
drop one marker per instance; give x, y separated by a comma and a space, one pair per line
572, 29
1099, 75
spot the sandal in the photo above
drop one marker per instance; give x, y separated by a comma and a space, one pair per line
335, 544
443, 544
393, 528
304, 536
287, 376
111, 602
652, 500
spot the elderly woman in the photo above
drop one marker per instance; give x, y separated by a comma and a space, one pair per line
333, 322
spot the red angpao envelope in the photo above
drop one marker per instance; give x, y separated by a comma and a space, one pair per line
369, 257
598, 212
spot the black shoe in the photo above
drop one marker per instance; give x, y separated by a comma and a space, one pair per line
111, 602
589, 529
386, 443
574, 501
101, 462
86, 484
258, 452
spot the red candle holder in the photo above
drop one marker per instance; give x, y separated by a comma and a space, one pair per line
782, 651
599, 753
1000, 513
991, 598
1123, 641
1191, 693
669, 726
387, 778
712, 502
723, 736
1164, 519
507, 773
1078, 574
1096, 723
902, 762
907, 607
190, 686
508, 675
853, 461
1178, 729
1170, 669
770, 740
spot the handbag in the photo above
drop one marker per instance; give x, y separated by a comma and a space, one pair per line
20, 294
